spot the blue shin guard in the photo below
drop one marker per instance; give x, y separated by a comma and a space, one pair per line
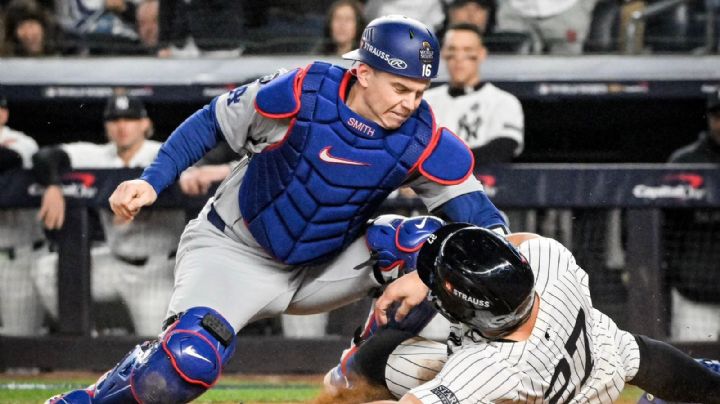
179, 366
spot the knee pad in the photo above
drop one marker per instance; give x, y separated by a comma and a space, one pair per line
179, 366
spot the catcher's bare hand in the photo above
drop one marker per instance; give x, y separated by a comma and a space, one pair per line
130, 196
408, 290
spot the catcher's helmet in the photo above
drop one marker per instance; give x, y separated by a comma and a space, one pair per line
477, 278
399, 45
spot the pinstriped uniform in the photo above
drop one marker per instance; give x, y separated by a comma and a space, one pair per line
19, 229
145, 286
575, 353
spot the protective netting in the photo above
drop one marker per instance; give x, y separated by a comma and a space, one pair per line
692, 267
595, 237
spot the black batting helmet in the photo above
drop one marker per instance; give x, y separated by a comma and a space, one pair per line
477, 278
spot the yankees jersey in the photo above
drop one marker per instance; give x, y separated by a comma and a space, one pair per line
480, 115
19, 226
575, 354
153, 231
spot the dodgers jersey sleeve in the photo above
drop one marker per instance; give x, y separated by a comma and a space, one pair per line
463, 202
231, 116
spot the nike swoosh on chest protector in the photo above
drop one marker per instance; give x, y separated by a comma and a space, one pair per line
325, 156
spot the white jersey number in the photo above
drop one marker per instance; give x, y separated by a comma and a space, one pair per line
427, 70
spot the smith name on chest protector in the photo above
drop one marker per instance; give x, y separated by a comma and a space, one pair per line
308, 196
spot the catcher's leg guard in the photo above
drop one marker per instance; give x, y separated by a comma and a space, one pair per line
183, 363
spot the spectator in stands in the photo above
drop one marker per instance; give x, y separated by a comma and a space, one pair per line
489, 119
136, 265
99, 26
430, 12
478, 12
191, 28
694, 273
19, 233
146, 21
559, 27
706, 149
343, 28
29, 30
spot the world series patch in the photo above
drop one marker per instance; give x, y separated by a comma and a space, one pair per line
427, 55
445, 395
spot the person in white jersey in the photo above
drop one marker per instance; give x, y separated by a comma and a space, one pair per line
20, 237
488, 119
523, 330
136, 265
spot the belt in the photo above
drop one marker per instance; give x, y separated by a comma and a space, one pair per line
140, 261
12, 252
215, 219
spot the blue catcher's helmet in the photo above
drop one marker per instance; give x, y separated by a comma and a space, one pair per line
399, 45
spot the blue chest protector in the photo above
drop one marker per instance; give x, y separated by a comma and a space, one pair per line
306, 198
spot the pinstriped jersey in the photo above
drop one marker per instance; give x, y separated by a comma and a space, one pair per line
575, 353
19, 227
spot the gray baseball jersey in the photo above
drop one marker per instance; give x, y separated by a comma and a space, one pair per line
212, 265
575, 353
479, 116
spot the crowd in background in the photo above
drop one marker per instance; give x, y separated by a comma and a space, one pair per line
227, 28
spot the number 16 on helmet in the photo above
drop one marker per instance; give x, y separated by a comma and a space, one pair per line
399, 45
